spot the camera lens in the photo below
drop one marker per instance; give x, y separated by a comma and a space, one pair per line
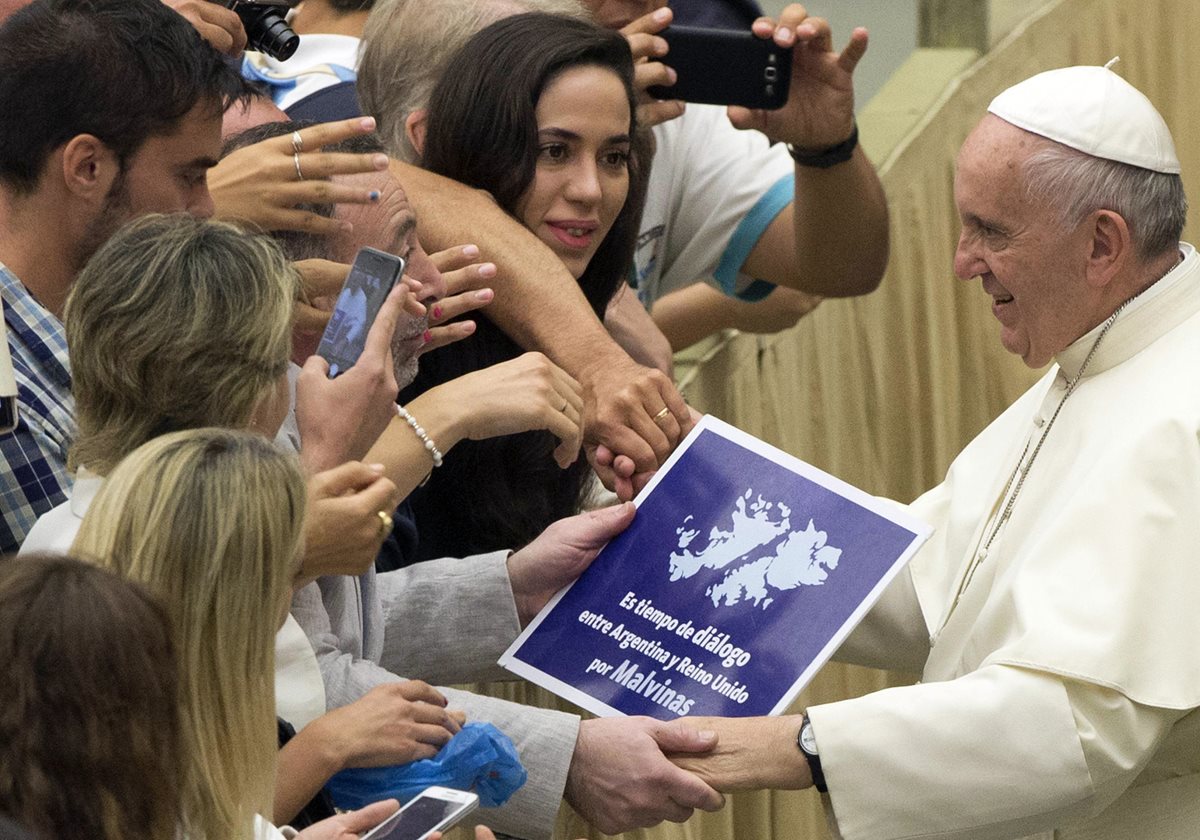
275, 38
268, 32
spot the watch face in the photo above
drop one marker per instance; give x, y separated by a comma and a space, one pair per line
808, 741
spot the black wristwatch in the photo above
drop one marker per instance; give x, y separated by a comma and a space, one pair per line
807, 743
832, 156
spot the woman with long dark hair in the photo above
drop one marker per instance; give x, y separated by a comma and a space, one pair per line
538, 110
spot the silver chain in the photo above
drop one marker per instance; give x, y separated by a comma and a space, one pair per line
1023, 467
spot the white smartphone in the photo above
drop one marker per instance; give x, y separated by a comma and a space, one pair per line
435, 809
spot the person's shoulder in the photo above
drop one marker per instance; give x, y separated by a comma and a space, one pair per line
53, 531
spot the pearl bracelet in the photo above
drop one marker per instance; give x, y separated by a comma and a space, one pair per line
430, 446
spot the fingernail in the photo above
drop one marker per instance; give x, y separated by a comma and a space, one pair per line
470, 251
373, 195
484, 294
380, 161
672, 75
706, 734
428, 336
367, 123
487, 270
662, 15
783, 34
346, 227
661, 47
375, 467
437, 312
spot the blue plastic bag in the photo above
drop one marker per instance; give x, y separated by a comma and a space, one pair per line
480, 758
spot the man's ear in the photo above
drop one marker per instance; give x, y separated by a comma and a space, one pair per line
89, 167
1111, 248
414, 128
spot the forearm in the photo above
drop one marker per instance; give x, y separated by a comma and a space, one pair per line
691, 314
538, 303
427, 605
832, 240
841, 227
302, 768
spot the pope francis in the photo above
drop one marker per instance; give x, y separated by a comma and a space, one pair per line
1053, 614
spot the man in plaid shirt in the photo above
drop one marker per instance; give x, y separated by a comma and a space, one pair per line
112, 109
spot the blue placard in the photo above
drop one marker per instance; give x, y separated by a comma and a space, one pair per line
743, 571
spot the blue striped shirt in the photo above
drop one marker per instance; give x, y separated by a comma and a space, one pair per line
33, 459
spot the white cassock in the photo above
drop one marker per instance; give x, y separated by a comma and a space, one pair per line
1059, 693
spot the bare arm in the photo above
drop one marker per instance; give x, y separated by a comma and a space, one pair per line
833, 239
541, 307
697, 311
631, 326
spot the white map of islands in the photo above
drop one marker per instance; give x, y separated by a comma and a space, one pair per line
760, 554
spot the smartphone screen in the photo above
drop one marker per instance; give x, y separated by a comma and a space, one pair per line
419, 817
371, 279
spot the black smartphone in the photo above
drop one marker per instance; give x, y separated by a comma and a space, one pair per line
372, 277
725, 67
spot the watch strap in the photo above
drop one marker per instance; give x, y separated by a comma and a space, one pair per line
832, 156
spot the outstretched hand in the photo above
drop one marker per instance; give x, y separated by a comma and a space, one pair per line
560, 554
265, 185
467, 289
620, 778
819, 112
523, 394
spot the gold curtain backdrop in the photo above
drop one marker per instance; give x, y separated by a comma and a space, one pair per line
885, 390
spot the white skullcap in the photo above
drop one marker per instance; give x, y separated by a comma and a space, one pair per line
1094, 110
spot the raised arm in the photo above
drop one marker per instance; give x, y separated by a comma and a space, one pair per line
833, 239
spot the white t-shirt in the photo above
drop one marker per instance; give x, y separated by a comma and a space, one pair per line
713, 191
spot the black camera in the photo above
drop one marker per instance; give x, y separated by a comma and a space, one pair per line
266, 29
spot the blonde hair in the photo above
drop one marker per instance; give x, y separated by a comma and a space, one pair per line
175, 323
210, 521
406, 44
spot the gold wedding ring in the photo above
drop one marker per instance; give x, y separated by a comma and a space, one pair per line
385, 524
299, 171
297, 142
665, 411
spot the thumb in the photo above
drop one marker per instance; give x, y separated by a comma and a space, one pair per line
346, 478
680, 737
604, 524
367, 818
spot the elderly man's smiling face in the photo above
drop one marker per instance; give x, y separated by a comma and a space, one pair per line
1033, 269
390, 225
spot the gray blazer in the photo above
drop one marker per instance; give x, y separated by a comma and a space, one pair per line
445, 621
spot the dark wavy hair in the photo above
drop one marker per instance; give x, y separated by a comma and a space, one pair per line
89, 728
482, 131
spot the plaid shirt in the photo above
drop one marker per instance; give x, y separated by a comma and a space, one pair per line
33, 459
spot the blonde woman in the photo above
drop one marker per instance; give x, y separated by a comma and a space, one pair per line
178, 323
210, 522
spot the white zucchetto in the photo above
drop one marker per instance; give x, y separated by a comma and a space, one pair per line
1094, 110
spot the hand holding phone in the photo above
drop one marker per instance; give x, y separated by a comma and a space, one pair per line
725, 67
372, 277
435, 809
